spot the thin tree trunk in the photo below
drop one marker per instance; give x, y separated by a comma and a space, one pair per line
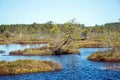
58, 50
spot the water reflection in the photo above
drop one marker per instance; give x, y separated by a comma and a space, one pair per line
112, 65
75, 67
12, 47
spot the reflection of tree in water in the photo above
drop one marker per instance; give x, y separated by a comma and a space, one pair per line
74, 62
7, 45
75, 66
112, 65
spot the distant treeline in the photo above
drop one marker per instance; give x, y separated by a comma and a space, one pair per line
50, 29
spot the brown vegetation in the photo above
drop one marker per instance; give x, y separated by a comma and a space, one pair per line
27, 66
47, 50
88, 44
112, 55
18, 52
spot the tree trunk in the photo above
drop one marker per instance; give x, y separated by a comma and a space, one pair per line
58, 50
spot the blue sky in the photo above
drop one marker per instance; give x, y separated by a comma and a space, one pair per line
88, 12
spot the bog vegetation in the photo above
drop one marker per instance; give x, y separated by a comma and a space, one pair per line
111, 55
107, 34
27, 66
64, 38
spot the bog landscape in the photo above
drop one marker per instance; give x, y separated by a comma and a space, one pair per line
57, 40
59, 51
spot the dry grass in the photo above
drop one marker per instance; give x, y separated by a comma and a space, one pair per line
47, 50
27, 66
112, 55
88, 44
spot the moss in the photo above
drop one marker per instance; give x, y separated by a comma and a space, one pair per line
47, 50
112, 55
37, 51
70, 51
4, 42
27, 66
93, 42
88, 44
32, 41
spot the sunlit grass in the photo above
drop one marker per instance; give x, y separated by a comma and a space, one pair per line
112, 55
27, 66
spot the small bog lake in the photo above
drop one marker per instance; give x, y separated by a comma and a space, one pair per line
75, 67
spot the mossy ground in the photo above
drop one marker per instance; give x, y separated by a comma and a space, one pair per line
27, 66
112, 55
47, 50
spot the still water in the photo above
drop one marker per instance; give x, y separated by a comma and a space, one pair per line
75, 67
